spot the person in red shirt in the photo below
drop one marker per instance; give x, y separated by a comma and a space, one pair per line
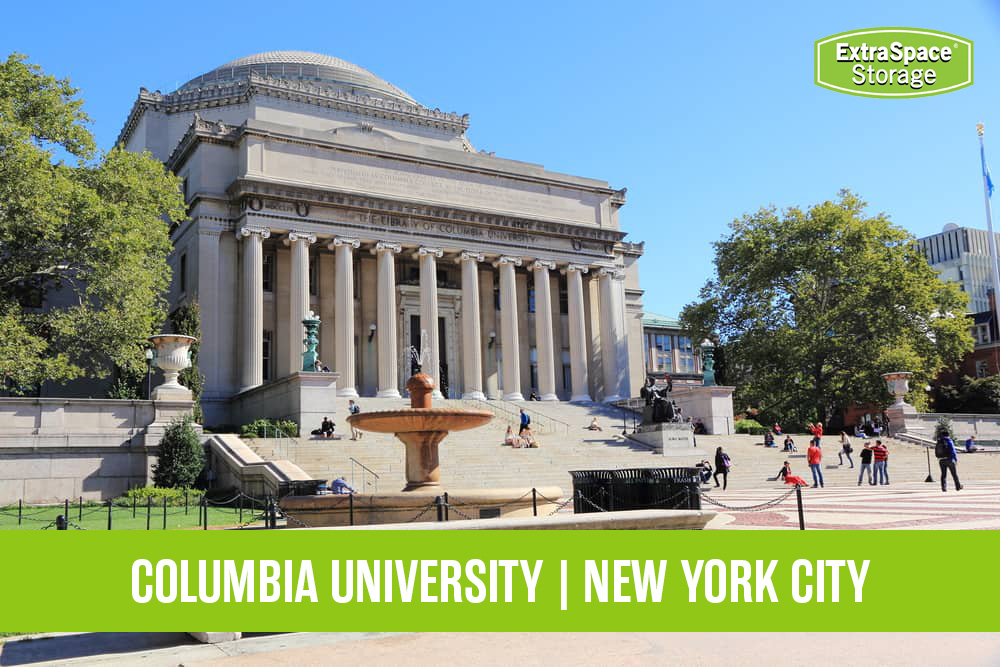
881, 463
815, 457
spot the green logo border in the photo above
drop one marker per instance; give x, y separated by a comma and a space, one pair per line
867, 31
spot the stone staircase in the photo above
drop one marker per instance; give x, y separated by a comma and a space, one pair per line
476, 459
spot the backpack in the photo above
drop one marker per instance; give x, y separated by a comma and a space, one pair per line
942, 450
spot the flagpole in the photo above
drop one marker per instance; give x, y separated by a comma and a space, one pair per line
989, 228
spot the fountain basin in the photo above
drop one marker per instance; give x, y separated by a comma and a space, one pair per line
415, 420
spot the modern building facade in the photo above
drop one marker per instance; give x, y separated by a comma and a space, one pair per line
667, 351
313, 185
962, 255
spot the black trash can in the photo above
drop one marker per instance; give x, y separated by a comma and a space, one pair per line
635, 488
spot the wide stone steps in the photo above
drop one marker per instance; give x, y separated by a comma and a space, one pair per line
476, 458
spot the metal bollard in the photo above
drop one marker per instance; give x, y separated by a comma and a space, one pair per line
149, 510
19, 506
66, 509
798, 499
61, 522
440, 508
133, 507
350, 507
534, 502
110, 504
80, 515
446, 517
204, 513
164, 512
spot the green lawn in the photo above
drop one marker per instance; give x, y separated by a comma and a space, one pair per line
95, 517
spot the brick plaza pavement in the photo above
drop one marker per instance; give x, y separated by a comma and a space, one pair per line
908, 506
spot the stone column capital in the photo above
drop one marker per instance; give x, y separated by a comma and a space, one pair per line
292, 237
424, 251
503, 260
611, 272
341, 241
466, 256
581, 268
543, 264
248, 230
386, 246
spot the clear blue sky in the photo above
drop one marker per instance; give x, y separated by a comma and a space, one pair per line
703, 110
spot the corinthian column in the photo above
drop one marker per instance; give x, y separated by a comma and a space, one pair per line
388, 373
612, 334
577, 334
429, 312
508, 330
344, 305
298, 297
543, 330
252, 357
472, 355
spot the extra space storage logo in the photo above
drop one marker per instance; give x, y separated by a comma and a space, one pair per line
893, 62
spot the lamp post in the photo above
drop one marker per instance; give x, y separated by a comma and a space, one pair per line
149, 372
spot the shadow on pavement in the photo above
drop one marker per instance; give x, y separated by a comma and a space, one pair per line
66, 647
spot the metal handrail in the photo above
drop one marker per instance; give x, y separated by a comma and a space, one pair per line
499, 406
364, 479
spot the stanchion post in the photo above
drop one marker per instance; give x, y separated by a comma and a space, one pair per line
350, 507
446, 517
930, 478
149, 510
66, 509
440, 508
111, 503
164, 512
241, 506
20, 502
185, 502
133, 507
204, 513
798, 500
80, 515
534, 501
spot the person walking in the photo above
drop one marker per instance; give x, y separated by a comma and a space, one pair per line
881, 461
722, 465
815, 457
354, 409
845, 449
866, 464
947, 457
525, 422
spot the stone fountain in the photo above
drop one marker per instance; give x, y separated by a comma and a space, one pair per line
421, 428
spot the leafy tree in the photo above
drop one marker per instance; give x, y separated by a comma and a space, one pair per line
970, 395
943, 429
812, 306
95, 233
182, 457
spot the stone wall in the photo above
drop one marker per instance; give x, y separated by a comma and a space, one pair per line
52, 449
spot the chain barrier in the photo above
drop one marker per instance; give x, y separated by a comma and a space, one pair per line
592, 504
560, 506
760, 507
70, 523
470, 504
424, 511
457, 511
289, 517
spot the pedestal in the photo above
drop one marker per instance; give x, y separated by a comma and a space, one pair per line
303, 397
903, 418
668, 439
712, 405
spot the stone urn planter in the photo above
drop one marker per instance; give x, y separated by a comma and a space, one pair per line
899, 385
173, 354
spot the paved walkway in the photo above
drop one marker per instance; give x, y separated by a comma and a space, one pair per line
911, 506
730, 649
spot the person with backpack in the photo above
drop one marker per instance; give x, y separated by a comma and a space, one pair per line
722, 466
354, 409
866, 464
947, 457
525, 422
845, 449
814, 455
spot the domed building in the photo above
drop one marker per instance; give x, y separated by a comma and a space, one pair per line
315, 186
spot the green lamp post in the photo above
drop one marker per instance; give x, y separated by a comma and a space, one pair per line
708, 363
311, 323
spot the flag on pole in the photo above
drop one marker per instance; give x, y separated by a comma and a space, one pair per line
986, 171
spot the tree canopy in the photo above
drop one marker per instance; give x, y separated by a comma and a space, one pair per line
83, 246
811, 306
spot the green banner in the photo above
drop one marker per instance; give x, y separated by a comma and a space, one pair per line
893, 62
271, 581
